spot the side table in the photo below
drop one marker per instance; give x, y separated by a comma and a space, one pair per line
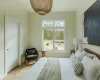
72, 51
43, 53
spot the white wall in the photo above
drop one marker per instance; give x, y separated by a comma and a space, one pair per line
84, 6
13, 9
35, 22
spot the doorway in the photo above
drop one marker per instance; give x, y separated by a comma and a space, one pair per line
11, 43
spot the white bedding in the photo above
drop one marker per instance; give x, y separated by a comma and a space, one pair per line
67, 72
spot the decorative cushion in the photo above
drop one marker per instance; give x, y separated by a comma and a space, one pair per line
91, 55
98, 75
77, 67
81, 55
78, 52
72, 56
96, 58
90, 68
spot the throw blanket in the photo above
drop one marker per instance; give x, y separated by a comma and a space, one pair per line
51, 70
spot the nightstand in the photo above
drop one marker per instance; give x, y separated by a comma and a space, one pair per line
72, 52
43, 53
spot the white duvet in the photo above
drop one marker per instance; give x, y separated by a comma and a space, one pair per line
67, 72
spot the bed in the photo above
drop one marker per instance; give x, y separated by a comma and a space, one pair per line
66, 69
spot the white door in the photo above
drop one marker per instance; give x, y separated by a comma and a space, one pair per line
11, 43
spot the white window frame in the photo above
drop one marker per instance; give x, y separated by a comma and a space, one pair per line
52, 27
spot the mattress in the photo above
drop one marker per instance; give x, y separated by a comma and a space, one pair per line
67, 72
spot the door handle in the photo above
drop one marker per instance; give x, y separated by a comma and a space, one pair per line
8, 49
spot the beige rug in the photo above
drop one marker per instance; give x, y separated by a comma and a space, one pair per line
17, 73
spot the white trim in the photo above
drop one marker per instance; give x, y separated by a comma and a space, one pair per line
53, 28
52, 23
58, 51
42, 39
3, 76
53, 40
19, 56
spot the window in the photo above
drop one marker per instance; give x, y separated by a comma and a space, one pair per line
53, 34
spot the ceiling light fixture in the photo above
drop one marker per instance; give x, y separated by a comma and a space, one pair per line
42, 7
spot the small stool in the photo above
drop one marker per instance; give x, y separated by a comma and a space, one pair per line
43, 53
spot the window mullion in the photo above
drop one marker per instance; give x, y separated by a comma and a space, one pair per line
53, 39
43, 40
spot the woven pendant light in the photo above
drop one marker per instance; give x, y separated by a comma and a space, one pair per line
42, 7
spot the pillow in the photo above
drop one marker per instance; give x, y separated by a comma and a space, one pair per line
72, 56
96, 58
78, 53
91, 55
98, 75
77, 67
81, 55
90, 68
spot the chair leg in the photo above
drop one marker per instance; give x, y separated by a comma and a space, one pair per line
37, 59
26, 62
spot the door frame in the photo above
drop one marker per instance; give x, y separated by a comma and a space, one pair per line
19, 57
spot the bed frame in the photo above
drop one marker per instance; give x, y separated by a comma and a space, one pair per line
92, 52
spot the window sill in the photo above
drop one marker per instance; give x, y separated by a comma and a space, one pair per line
58, 51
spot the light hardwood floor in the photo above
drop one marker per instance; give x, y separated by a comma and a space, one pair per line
17, 73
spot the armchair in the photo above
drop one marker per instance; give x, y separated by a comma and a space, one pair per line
31, 54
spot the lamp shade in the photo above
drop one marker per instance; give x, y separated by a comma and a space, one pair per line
42, 7
74, 41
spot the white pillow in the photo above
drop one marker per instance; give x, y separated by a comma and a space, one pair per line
96, 58
78, 52
81, 55
91, 55
90, 68
98, 76
72, 56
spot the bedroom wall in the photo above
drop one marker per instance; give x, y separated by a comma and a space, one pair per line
35, 22
13, 9
79, 22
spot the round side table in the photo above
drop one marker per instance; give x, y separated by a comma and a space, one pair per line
43, 53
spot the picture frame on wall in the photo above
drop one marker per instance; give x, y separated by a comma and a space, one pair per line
91, 25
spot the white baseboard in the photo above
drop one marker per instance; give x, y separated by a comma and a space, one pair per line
2, 76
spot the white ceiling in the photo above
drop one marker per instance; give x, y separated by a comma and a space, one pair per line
58, 5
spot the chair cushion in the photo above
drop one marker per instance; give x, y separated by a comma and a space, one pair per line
31, 56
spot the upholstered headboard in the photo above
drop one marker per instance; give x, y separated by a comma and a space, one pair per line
92, 52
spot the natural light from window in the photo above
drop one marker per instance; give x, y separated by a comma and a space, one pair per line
53, 35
